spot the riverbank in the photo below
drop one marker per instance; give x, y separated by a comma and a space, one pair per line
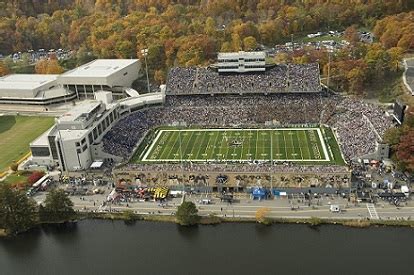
215, 220
130, 218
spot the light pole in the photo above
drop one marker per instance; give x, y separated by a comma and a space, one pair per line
144, 52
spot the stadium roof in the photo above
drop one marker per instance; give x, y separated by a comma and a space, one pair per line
26, 82
99, 68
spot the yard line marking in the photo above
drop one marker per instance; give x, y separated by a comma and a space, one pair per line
164, 146
300, 145
201, 142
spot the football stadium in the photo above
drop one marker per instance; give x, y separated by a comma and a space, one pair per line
237, 124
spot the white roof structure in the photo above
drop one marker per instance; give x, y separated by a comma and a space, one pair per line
26, 85
110, 72
79, 111
240, 54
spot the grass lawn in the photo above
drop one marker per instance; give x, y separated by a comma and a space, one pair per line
18, 177
304, 145
16, 132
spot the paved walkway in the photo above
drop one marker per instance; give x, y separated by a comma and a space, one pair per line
408, 76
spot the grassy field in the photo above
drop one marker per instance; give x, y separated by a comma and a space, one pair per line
16, 132
305, 145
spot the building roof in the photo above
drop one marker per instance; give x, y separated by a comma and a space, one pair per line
25, 81
43, 139
100, 68
66, 135
78, 111
243, 54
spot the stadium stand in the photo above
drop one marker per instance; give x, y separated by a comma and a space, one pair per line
291, 78
357, 124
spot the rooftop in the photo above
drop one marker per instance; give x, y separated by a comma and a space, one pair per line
26, 81
79, 111
241, 53
100, 68
72, 134
42, 140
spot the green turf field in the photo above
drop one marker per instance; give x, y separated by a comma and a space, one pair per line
239, 145
16, 132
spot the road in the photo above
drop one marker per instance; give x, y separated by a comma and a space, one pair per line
246, 207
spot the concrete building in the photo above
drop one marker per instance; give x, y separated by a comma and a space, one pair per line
32, 89
241, 62
69, 142
75, 141
113, 75
102, 74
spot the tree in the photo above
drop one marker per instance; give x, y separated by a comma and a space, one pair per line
187, 214
14, 166
35, 176
405, 150
392, 136
262, 215
249, 43
4, 70
395, 55
351, 35
236, 42
57, 206
48, 67
17, 211
159, 76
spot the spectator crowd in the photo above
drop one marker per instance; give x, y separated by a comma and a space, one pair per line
276, 79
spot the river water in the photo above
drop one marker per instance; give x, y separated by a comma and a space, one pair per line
106, 247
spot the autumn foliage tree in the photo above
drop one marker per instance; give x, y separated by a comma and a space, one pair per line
262, 215
4, 70
50, 66
405, 150
35, 176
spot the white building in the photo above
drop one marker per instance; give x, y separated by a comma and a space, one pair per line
114, 75
241, 62
102, 74
32, 89
69, 142
75, 141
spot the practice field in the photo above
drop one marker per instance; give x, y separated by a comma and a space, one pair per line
239, 145
16, 132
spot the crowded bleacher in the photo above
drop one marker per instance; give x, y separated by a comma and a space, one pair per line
276, 79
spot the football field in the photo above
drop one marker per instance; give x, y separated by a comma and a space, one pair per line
238, 145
